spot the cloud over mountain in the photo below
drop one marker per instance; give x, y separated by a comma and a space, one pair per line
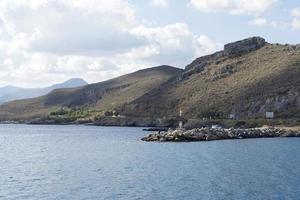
93, 39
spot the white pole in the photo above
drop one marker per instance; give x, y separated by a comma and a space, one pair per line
180, 122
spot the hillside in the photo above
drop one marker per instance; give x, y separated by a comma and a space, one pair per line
97, 98
247, 79
10, 93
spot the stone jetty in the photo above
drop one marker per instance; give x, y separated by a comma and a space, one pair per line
209, 134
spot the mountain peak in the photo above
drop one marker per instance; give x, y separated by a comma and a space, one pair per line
160, 68
73, 82
76, 80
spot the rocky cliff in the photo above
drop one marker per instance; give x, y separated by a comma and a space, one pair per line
230, 50
244, 46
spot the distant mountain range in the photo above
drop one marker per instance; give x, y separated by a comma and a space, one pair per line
10, 93
247, 79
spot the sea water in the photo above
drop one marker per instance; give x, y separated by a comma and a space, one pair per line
85, 162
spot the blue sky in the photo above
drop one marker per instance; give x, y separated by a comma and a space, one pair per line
48, 41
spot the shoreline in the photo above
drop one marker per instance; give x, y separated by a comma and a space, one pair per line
164, 134
150, 126
153, 122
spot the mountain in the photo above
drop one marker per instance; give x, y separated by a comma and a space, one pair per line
10, 93
99, 97
247, 79
71, 83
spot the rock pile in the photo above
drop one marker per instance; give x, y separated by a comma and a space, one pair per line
208, 134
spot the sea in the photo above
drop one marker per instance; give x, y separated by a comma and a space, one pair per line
76, 162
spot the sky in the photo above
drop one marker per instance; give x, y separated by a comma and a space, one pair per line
43, 42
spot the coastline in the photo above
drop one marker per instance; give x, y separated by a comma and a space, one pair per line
189, 123
152, 122
167, 134
103, 121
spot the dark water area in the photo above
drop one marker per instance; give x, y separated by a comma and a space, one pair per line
84, 162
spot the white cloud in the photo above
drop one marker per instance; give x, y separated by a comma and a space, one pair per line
296, 23
252, 7
71, 26
259, 22
173, 44
276, 24
160, 3
48, 41
295, 12
206, 46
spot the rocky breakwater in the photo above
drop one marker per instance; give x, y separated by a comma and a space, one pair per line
209, 134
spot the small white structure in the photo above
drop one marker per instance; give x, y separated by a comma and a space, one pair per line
114, 114
180, 125
180, 113
232, 116
269, 115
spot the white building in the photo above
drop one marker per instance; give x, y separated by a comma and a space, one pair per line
269, 115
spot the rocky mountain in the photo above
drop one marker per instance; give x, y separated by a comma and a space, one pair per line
99, 97
10, 93
247, 79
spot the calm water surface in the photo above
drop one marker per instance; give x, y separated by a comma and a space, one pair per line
81, 162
